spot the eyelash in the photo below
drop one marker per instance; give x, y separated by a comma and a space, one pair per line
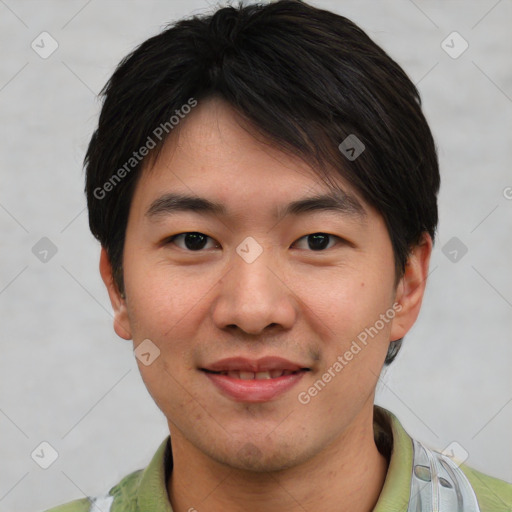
171, 239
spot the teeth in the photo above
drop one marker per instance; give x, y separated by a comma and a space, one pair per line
243, 375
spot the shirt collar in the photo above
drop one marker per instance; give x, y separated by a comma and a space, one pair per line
396, 490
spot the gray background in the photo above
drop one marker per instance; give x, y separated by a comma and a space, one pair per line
65, 376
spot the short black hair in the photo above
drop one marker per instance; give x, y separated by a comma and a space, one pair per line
303, 78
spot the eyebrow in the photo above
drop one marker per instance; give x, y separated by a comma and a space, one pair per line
341, 203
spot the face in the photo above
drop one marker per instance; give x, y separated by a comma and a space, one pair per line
256, 291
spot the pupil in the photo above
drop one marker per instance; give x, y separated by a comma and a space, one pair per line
195, 241
318, 241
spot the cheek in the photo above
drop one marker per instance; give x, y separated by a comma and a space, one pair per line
347, 300
347, 313
162, 299
355, 339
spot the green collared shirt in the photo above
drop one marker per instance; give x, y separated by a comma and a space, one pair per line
145, 490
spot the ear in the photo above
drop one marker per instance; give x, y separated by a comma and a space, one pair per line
410, 289
121, 319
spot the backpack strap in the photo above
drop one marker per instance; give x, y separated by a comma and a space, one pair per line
438, 484
101, 503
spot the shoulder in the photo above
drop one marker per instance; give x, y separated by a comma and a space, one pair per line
122, 496
493, 494
82, 505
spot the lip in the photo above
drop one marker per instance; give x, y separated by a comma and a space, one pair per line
254, 390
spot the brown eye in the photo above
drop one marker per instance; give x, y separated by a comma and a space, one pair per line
193, 241
318, 241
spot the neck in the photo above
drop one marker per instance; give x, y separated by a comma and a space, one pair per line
348, 475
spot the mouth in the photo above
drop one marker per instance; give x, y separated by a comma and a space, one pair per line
262, 380
245, 375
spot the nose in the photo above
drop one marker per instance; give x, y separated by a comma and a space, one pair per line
254, 296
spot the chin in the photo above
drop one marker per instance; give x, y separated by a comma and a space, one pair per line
260, 457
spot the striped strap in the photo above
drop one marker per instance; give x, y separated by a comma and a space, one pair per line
101, 503
438, 484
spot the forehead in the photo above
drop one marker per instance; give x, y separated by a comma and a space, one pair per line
215, 155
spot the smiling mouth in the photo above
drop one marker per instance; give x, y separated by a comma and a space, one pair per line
245, 375
255, 387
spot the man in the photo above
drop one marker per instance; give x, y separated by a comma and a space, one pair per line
228, 147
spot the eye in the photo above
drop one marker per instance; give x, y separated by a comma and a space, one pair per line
194, 241
318, 241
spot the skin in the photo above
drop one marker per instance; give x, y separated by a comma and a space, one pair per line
295, 302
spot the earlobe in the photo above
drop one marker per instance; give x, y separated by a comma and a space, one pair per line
411, 288
121, 319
